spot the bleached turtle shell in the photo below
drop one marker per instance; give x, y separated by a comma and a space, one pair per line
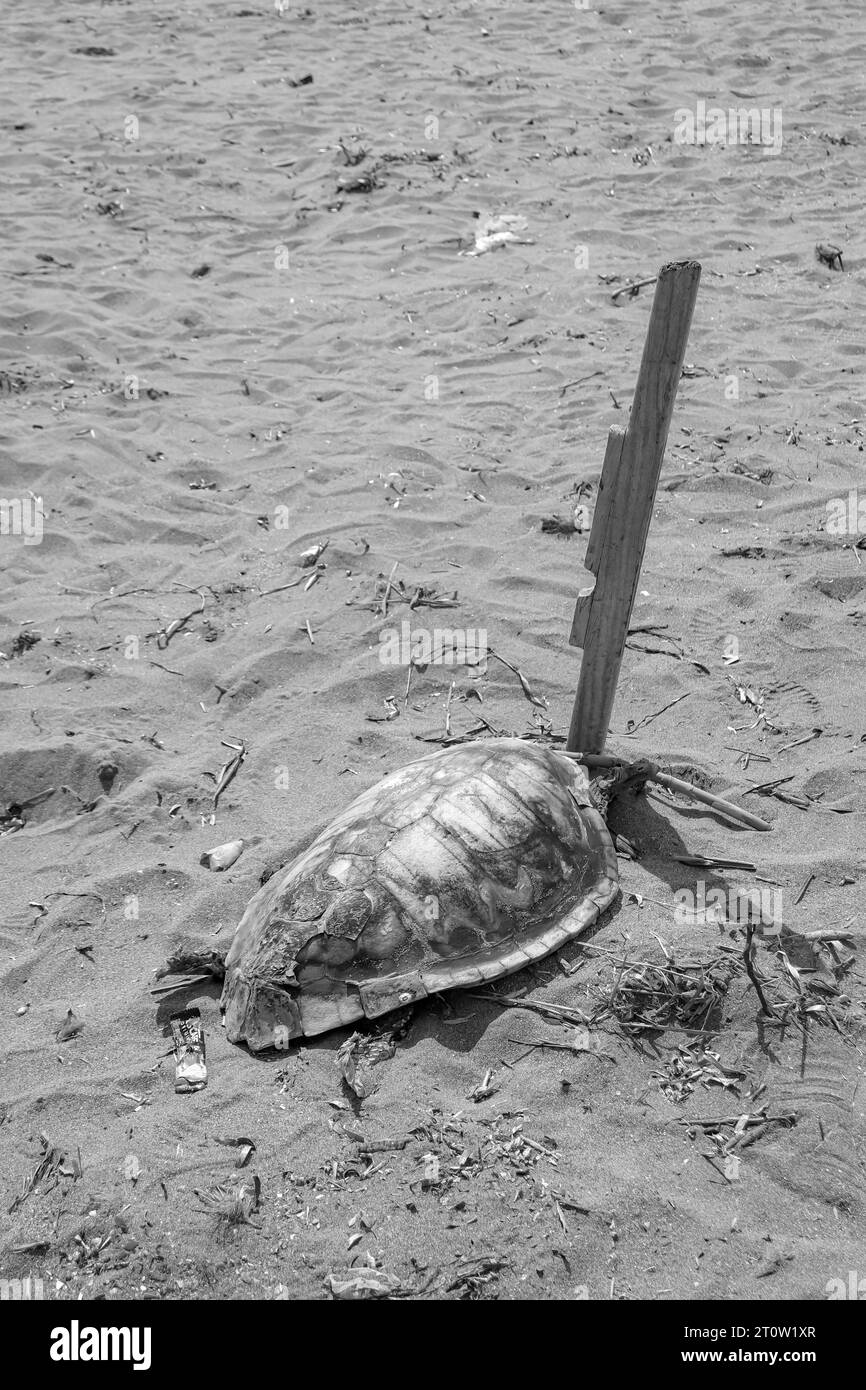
459, 868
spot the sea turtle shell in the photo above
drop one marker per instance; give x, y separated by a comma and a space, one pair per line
459, 868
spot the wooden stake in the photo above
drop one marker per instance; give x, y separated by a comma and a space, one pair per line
629, 479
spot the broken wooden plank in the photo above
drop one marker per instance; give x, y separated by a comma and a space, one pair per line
627, 492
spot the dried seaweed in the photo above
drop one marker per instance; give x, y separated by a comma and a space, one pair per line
649, 996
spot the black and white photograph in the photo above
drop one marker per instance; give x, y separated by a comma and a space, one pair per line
432, 633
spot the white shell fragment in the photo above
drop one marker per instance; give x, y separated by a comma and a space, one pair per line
309, 557
223, 856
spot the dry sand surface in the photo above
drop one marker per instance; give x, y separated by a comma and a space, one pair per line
216, 353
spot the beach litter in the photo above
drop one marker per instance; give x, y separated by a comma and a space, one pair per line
223, 856
486, 1088
245, 1147
363, 1283
189, 1050
492, 233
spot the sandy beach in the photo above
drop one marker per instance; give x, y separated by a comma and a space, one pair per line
241, 322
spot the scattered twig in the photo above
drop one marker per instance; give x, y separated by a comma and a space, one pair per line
632, 289
804, 888
556, 1011
229, 769
807, 738
524, 683
748, 954
448, 710
388, 584
171, 671
768, 788
165, 634
281, 587
703, 861
52, 1163
648, 718
577, 382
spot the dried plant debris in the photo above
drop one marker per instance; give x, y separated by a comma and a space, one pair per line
414, 595
557, 525
69, 1028
165, 634
739, 1131
232, 1204
191, 964
560, 1013
364, 181
104, 1235
451, 1156
228, 771
360, 1053
533, 699
807, 974
23, 642
828, 254
473, 1276
778, 707
688, 1067
54, 1164
352, 157
802, 977
654, 996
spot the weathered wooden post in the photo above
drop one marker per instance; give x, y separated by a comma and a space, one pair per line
630, 474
